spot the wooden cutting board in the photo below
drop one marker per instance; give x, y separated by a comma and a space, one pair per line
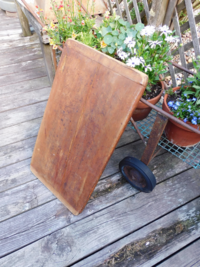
90, 104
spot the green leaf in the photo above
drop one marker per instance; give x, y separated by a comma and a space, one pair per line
106, 30
128, 24
198, 102
164, 71
122, 30
108, 39
123, 46
112, 25
132, 33
115, 33
122, 36
196, 87
113, 45
99, 35
122, 22
188, 92
115, 39
119, 42
104, 49
191, 79
111, 50
139, 26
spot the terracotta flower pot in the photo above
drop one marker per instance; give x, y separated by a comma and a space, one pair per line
178, 134
142, 110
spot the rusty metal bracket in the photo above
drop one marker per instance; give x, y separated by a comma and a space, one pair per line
138, 131
156, 132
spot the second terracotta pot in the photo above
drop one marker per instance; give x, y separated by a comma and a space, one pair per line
142, 110
176, 133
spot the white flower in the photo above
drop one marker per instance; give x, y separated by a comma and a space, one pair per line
129, 42
154, 43
147, 31
142, 61
171, 39
121, 54
134, 51
164, 30
133, 61
148, 67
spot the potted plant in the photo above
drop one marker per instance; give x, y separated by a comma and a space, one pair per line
144, 48
183, 102
71, 22
139, 47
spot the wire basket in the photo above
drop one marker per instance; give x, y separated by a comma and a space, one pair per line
190, 155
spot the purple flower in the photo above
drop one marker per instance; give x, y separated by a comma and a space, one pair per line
185, 120
177, 103
188, 100
170, 103
175, 107
195, 118
194, 99
185, 94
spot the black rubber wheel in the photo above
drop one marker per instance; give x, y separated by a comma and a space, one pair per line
137, 174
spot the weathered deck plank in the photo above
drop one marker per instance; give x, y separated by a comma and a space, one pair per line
188, 257
22, 66
27, 98
10, 32
19, 42
16, 152
19, 132
8, 59
154, 242
29, 85
22, 114
22, 76
108, 225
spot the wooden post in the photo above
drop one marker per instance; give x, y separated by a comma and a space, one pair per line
157, 12
23, 21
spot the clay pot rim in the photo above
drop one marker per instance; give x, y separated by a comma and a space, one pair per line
167, 109
154, 100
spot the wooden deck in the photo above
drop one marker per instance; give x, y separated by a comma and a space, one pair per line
119, 226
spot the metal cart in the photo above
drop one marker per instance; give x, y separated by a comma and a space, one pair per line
135, 171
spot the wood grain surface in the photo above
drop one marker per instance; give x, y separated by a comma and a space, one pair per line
90, 104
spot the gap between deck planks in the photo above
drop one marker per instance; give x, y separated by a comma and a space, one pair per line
187, 257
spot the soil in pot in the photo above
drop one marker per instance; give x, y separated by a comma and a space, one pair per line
142, 110
176, 133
